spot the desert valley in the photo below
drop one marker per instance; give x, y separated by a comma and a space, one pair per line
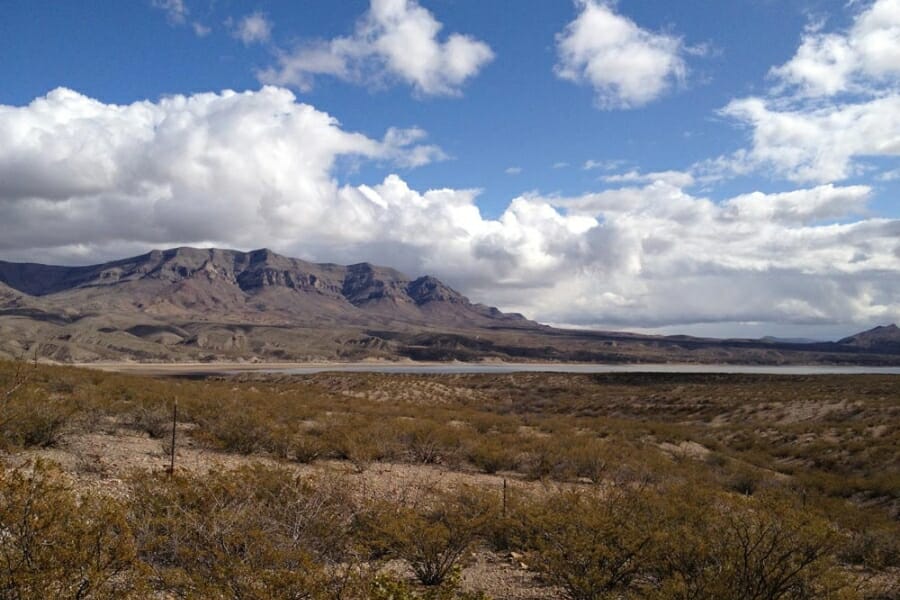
205, 305
185, 481
449, 300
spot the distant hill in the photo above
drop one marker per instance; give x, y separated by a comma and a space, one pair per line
7, 293
778, 340
880, 339
189, 304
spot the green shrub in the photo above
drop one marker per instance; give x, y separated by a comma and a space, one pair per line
591, 545
256, 532
360, 441
877, 548
154, 419
387, 587
33, 418
429, 443
744, 482
727, 548
434, 537
491, 455
57, 545
237, 429
305, 448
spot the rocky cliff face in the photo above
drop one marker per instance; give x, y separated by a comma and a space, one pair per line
237, 284
428, 289
364, 284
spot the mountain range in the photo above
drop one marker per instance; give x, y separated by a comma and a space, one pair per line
190, 304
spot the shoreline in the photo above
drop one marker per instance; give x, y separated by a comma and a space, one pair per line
495, 367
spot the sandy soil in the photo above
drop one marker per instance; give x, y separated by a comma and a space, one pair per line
102, 462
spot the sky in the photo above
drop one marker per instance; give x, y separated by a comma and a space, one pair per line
703, 167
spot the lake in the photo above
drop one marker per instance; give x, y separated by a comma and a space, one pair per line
433, 368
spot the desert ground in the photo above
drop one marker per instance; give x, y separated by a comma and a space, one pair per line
518, 486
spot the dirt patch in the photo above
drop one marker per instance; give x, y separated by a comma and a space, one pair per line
686, 449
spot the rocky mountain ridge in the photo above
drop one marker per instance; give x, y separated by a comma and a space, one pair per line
190, 304
259, 285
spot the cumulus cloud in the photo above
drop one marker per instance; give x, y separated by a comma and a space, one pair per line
835, 104
81, 180
672, 257
395, 39
254, 28
799, 207
196, 167
626, 65
818, 144
856, 60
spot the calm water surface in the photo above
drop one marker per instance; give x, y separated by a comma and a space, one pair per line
584, 368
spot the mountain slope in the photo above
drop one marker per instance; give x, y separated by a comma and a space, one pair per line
202, 303
188, 304
883, 339
7, 294
247, 287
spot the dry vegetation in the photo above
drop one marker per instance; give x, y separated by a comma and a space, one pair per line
353, 486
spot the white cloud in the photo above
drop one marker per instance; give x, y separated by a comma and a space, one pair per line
626, 65
802, 207
818, 144
233, 167
254, 28
836, 102
892, 175
177, 14
865, 56
605, 165
176, 11
395, 39
675, 258
81, 180
513, 170
200, 30
675, 178
403, 147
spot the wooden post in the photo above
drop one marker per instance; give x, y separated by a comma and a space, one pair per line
174, 425
504, 497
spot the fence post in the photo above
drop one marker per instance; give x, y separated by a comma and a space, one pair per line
174, 425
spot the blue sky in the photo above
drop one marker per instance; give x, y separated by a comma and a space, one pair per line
541, 117
517, 113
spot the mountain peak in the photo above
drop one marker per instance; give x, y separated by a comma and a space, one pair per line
258, 285
427, 289
262, 255
886, 337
